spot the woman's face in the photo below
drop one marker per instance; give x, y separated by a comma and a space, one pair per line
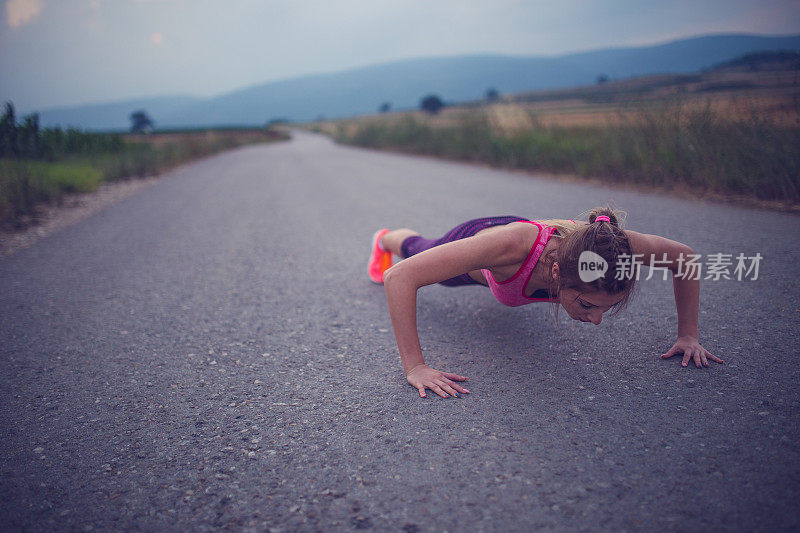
587, 306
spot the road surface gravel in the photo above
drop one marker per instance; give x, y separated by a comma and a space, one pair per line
209, 354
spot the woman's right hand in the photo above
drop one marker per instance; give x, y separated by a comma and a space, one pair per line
424, 377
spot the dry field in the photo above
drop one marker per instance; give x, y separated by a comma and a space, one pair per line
730, 131
242, 136
731, 93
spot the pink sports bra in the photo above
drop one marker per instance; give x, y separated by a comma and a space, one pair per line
511, 292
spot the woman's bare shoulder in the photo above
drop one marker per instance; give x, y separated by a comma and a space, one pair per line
519, 238
512, 241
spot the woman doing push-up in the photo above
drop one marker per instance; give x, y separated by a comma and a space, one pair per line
586, 268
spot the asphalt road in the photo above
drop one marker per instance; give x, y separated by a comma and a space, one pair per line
210, 354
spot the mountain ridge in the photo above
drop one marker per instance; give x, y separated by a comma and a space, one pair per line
402, 83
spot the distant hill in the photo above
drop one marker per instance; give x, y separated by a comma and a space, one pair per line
763, 60
403, 83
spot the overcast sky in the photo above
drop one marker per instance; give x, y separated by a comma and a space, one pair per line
64, 52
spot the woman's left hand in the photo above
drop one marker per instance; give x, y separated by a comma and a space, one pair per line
691, 349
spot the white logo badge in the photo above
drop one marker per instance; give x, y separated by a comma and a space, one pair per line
591, 266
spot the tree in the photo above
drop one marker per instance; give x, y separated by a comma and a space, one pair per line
29, 138
9, 146
492, 95
431, 104
385, 107
140, 122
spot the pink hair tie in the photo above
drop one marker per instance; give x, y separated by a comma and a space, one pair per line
601, 218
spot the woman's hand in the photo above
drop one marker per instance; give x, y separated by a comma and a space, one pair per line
691, 349
424, 377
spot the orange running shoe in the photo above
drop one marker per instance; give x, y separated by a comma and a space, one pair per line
379, 261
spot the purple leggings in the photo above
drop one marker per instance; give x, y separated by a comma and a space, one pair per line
416, 244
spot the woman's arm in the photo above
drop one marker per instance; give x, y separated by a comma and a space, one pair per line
402, 281
662, 252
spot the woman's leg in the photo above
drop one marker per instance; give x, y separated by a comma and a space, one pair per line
393, 241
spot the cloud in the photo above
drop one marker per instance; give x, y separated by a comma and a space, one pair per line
19, 12
157, 38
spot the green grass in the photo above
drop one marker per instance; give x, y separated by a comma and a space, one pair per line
665, 147
24, 184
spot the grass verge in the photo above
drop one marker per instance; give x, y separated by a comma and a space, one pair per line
665, 147
25, 184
